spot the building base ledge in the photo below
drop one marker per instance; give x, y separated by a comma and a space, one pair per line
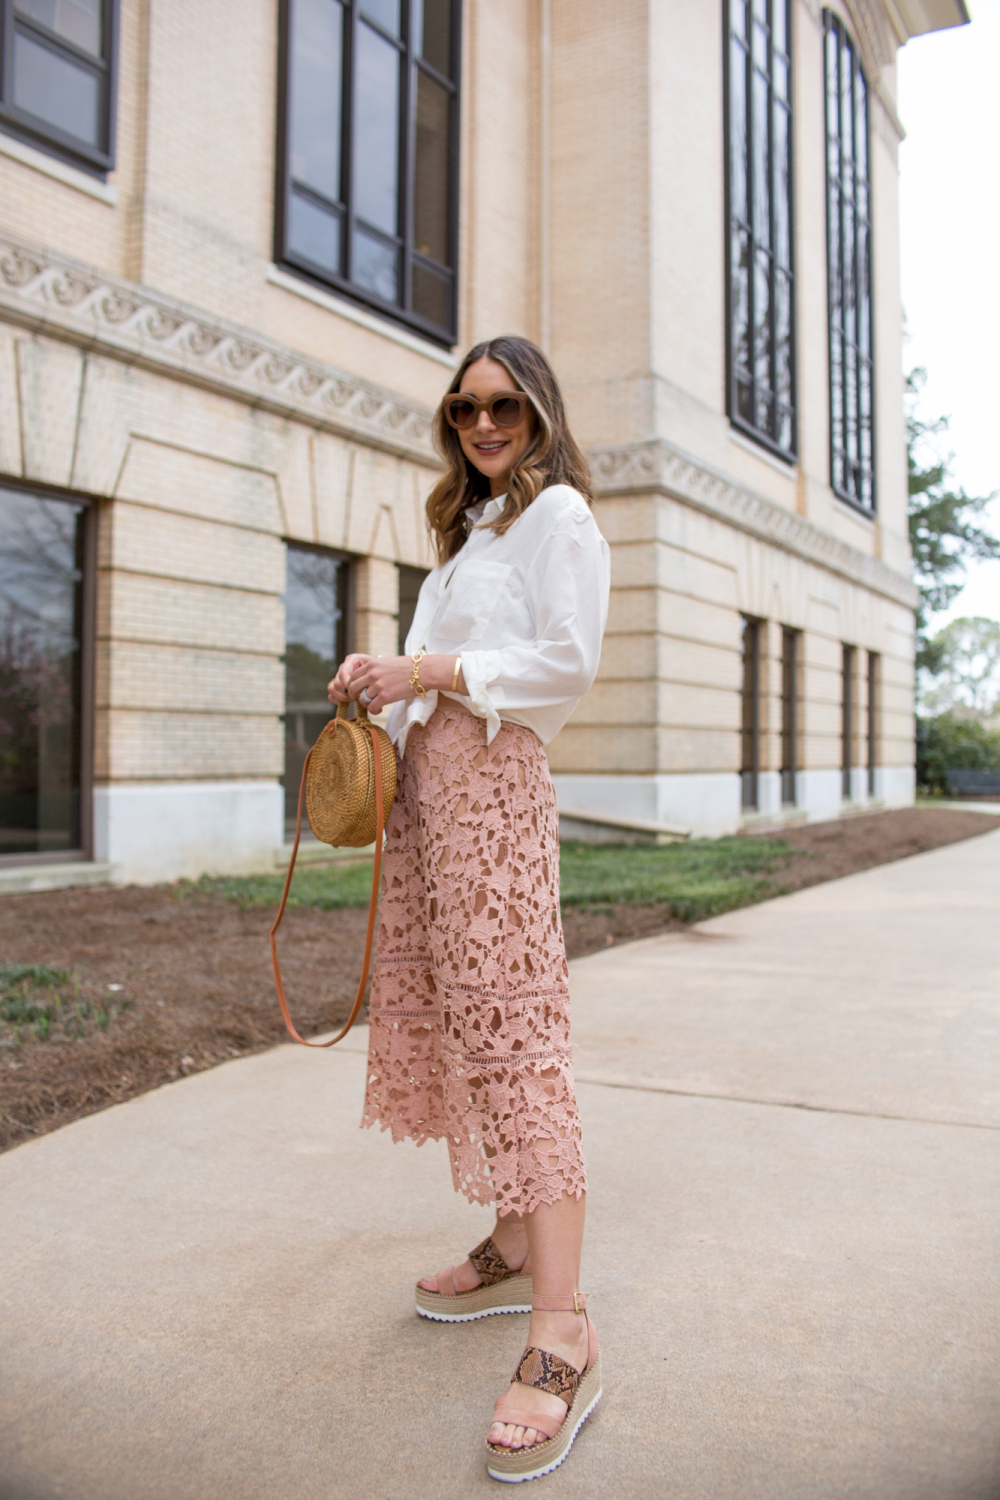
16, 879
312, 852
595, 828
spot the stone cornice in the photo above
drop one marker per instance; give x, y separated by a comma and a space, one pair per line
51, 294
657, 466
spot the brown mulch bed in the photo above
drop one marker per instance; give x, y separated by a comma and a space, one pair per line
196, 972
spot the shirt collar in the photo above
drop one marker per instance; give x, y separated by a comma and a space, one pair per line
483, 510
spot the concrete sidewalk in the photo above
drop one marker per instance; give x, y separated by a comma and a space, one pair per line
792, 1119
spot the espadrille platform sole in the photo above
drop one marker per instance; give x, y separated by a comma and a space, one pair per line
500, 1290
515, 1465
512, 1295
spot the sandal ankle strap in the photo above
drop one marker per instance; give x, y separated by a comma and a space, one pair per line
575, 1302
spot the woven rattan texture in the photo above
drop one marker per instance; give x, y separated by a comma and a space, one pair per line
340, 782
470, 999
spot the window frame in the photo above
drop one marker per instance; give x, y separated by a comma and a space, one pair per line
848, 718
90, 517
348, 640
789, 454
872, 713
401, 313
791, 705
751, 716
31, 128
833, 24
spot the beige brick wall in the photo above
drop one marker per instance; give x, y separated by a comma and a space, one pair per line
670, 670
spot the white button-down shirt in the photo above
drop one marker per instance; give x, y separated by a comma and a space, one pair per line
525, 611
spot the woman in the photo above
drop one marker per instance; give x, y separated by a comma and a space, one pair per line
470, 1003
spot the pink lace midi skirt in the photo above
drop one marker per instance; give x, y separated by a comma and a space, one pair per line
470, 996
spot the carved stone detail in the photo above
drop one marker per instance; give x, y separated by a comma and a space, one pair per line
874, 36
49, 293
657, 466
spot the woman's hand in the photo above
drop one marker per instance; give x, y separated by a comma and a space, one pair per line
386, 679
383, 680
338, 691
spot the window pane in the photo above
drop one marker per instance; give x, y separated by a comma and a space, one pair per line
761, 175
738, 163
315, 646
762, 318
780, 71
851, 416
313, 233
410, 580
431, 296
750, 738
40, 613
77, 21
431, 31
384, 13
782, 187
56, 90
316, 58
376, 266
431, 170
761, 231
376, 130
740, 310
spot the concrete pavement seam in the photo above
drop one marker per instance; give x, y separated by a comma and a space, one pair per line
820, 1109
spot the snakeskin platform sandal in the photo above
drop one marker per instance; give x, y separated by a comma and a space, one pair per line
580, 1389
500, 1290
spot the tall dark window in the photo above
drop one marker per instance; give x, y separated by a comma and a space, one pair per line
750, 735
849, 255
410, 580
369, 152
42, 652
761, 300
57, 87
873, 712
790, 647
848, 692
316, 611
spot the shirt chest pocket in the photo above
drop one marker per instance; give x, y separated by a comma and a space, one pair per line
470, 598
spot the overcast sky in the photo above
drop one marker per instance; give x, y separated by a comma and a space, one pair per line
949, 103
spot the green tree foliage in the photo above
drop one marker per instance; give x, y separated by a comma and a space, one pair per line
951, 742
967, 674
944, 533
307, 674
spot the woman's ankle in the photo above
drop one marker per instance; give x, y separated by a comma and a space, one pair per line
568, 1329
511, 1240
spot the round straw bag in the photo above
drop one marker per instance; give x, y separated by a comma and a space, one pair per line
348, 786
340, 780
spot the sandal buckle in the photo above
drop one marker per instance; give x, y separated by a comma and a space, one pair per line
576, 1302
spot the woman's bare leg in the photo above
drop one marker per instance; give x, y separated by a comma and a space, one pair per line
555, 1242
509, 1236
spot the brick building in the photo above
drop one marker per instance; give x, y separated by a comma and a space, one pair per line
241, 249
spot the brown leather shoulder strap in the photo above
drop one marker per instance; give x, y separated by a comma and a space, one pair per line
372, 905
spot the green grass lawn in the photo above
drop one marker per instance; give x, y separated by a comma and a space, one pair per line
696, 880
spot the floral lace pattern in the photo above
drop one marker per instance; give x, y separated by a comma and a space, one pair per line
470, 996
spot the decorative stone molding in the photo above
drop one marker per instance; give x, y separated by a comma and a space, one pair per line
875, 34
656, 466
51, 294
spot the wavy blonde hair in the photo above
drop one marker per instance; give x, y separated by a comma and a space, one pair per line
551, 457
